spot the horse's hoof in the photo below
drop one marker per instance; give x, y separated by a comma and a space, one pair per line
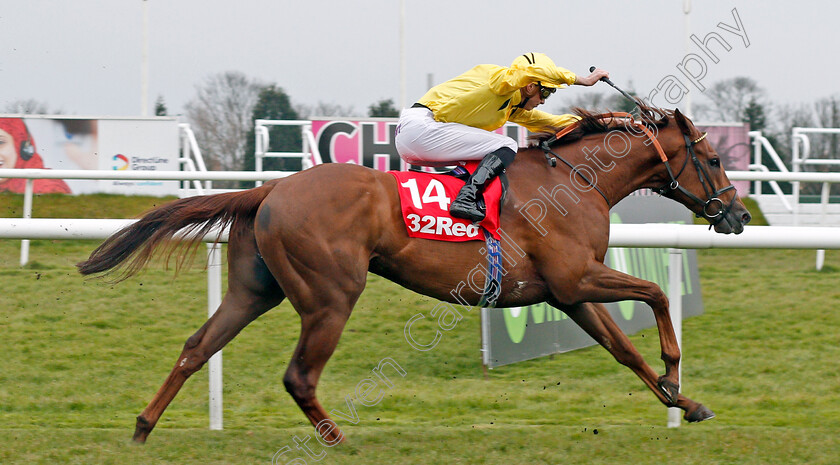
670, 390
701, 413
142, 430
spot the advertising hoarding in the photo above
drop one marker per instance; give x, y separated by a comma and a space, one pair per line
76, 143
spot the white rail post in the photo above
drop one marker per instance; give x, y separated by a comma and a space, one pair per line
824, 198
795, 166
260, 147
185, 151
27, 214
306, 158
675, 265
756, 135
214, 299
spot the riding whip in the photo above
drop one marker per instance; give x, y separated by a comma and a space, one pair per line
607, 80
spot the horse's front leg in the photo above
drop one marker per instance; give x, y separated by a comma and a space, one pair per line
595, 319
603, 284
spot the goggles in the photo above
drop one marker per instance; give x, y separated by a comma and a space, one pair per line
546, 92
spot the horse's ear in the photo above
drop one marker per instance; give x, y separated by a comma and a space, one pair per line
682, 122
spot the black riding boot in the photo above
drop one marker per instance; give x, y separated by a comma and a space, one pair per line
465, 204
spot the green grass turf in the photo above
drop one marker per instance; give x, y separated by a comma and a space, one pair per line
82, 358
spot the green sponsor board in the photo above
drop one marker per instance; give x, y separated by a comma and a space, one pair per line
512, 335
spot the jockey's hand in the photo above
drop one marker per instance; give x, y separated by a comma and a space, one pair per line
594, 77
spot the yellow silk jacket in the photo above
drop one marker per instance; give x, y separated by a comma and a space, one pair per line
487, 96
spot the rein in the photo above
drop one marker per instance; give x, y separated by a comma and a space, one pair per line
705, 180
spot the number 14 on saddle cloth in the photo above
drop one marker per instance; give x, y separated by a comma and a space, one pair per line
425, 199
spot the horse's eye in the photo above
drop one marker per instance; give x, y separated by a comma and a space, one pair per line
714, 162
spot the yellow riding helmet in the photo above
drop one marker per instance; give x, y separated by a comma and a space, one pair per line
536, 60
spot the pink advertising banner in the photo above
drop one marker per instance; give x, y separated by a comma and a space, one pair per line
370, 142
732, 143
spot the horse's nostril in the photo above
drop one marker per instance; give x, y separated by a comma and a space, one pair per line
745, 218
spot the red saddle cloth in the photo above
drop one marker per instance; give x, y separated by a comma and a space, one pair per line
425, 200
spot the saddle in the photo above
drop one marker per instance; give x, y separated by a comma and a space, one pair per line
425, 199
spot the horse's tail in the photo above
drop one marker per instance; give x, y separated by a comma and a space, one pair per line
130, 248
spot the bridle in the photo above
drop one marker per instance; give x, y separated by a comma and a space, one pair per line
712, 193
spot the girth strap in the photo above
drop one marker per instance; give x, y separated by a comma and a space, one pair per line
495, 270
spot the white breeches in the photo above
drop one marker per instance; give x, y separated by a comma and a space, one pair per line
423, 141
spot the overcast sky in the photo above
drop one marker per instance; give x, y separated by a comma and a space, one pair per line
83, 57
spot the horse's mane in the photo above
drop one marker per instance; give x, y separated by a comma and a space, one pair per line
594, 123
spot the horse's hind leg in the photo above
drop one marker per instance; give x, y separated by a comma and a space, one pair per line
323, 288
223, 326
319, 248
251, 292
597, 322
320, 332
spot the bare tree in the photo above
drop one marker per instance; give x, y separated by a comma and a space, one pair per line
220, 115
28, 107
305, 111
787, 117
597, 102
592, 101
730, 99
827, 112
823, 113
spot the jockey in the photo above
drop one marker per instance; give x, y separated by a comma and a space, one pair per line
454, 121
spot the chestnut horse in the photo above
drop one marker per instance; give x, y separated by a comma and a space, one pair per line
313, 237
